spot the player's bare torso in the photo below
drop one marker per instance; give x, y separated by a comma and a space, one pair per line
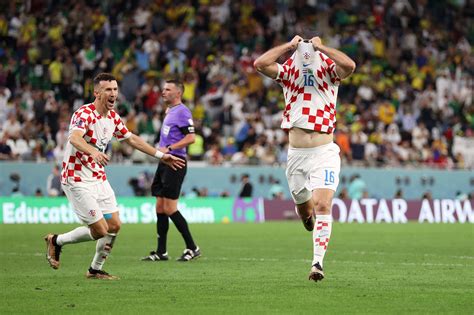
303, 138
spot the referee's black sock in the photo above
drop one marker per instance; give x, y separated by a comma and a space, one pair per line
162, 225
182, 226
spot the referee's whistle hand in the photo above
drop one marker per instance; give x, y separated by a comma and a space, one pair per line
173, 161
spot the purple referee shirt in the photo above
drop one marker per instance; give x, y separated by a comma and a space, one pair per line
177, 124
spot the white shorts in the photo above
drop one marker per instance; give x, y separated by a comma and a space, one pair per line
90, 203
312, 168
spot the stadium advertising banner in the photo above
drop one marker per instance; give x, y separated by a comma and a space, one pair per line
132, 210
384, 211
226, 210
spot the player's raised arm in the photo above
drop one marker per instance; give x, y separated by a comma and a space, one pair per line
138, 143
266, 63
77, 140
344, 65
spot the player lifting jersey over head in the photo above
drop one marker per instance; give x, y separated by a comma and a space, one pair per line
310, 79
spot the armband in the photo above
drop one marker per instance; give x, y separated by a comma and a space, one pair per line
159, 154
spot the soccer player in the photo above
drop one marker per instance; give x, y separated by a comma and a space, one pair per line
310, 79
176, 134
83, 175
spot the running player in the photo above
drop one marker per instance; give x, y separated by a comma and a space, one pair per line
83, 175
310, 79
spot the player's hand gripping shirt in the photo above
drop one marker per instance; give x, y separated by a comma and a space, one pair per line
310, 92
79, 168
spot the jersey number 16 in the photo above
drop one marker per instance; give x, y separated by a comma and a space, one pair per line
308, 79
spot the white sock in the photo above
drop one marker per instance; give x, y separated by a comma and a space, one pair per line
102, 250
321, 235
78, 235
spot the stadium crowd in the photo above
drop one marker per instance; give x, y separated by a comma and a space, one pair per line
410, 96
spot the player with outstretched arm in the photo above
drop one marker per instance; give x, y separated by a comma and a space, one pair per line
83, 175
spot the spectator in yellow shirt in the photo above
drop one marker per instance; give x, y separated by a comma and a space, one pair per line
55, 73
387, 113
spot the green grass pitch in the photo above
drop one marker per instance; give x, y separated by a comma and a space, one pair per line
247, 269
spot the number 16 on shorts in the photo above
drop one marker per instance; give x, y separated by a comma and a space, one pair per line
329, 178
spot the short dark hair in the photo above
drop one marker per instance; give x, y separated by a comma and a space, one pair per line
177, 83
103, 76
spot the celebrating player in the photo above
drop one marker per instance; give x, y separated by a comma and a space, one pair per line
310, 79
83, 175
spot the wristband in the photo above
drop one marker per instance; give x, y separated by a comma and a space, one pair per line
159, 154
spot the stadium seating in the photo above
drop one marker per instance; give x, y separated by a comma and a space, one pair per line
409, 103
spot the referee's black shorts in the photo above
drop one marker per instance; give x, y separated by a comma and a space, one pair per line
167, 182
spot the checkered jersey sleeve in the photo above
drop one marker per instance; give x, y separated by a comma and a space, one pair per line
330, 67
81, 119
284, 72
121, 132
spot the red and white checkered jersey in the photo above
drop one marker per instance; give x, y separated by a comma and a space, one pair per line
79, 168
310, 93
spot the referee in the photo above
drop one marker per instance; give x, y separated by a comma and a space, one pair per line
177, 132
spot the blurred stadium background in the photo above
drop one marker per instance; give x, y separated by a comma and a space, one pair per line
405, 122
405, 118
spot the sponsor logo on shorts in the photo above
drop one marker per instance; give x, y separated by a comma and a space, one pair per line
92, 213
